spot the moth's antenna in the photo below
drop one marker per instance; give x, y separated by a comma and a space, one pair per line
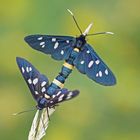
75, 20
111, 33
23, 112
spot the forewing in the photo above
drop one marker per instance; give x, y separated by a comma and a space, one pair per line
59, 47
36, 82
62, 95
89, 63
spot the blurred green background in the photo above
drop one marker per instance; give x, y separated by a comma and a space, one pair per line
99, 113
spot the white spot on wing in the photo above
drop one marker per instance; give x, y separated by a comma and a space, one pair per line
61, 98
53, 39
30, 68
62, 52
43, 89
51, 102
82, 62
53, 96
56, 45
27, 69
67, 41
43, 83
97, 62
42, 46
69, 95
106, 72
97, 74
23, 70
36, 93
90, 63
100, 74
42, 43
35, 81
29, 81
40, 38
58, 93
88, 51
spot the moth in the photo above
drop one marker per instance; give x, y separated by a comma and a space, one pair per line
38, 84
76, 52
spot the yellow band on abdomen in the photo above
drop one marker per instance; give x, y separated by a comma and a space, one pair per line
47, 96
58, 83
67, 65
76, 49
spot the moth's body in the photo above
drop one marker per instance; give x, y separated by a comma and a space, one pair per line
67, 67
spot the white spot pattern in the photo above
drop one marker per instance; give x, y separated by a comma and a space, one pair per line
43, 46
58, 93
40, 38
43, 83
51, 102
36, 93
67, 41
90, 63
100, 74
30, 68
27, 69
82, 62
69, 95
29, 81
62, 52
35, 81
97, 74
88, 51
23, 70
53, 96
42, 43
106, 72
61, 98
56, 45
97, 62
43, 89
53, 39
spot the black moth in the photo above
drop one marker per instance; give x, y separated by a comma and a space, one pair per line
38, 84
86, 60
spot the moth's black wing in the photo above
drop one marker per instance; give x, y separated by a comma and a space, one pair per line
36, 82
89, 63
62, 95
59, 47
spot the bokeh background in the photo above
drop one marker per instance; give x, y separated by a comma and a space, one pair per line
99, 113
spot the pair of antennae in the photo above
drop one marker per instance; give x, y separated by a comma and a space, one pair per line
87, 28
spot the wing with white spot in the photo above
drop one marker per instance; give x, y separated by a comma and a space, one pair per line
62, 95
89, 63
36, 82
59, 47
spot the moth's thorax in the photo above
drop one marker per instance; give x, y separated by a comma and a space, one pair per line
80, 41
42, 103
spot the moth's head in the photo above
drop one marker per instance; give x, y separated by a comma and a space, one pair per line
42, 103
80, 41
